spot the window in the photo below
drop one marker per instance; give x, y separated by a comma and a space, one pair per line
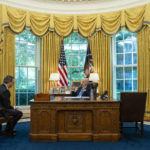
124, 63
75, 49
27, 71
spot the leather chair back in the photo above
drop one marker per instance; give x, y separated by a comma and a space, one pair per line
132, 106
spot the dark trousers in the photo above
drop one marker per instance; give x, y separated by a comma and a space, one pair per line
16, 116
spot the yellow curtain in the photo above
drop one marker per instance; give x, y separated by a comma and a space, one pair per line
7, 60
143, 38
51, 45
18, 20
101, 54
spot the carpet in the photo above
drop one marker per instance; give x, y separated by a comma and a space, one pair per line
130, 141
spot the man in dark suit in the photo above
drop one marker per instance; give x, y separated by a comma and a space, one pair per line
83, 90
6, 106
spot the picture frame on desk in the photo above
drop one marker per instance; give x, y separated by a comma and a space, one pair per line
54, 90
62, 90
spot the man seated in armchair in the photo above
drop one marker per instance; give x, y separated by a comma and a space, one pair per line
83, 90
8, 110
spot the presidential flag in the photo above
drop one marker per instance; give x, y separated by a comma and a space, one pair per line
88, 60
62, 68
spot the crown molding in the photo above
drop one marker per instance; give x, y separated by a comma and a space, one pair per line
73, 6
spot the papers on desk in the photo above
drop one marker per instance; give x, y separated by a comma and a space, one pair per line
77, 98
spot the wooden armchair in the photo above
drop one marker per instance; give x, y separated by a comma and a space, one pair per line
132, 108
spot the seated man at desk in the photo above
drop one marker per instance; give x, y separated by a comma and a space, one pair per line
83, 90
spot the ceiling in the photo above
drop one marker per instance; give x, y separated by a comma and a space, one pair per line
73, 6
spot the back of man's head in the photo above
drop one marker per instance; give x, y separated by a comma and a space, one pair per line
8, 79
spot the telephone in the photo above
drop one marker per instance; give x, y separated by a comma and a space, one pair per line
104, 96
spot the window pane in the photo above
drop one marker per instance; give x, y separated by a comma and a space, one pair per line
83, 47
23, 86
128, 59
128, 85
67, 47
135, 72
22, 58
17, 85
134, 58
23, 73
31, 60
119, 73
31, 73
128, 72
119, 47
119, 85
75, 47
17, 59
23, 99
118, 96
83, 52
17, 73
22, 47
68, 60
135, 85
75, 60
31, 86
128, 46
119, 59
31, 48
82, 60
69, 72
17, 99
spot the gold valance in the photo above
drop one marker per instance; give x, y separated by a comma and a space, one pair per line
18, 20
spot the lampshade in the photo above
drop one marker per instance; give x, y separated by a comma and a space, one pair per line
54, 77
94, 77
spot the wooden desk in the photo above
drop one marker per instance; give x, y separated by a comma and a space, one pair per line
61, 120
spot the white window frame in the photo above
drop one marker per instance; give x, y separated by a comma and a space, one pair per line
114, 66
37, 66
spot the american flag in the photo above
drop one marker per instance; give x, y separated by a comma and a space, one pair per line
62, 68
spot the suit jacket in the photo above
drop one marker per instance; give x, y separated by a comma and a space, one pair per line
87, 92
5, 97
